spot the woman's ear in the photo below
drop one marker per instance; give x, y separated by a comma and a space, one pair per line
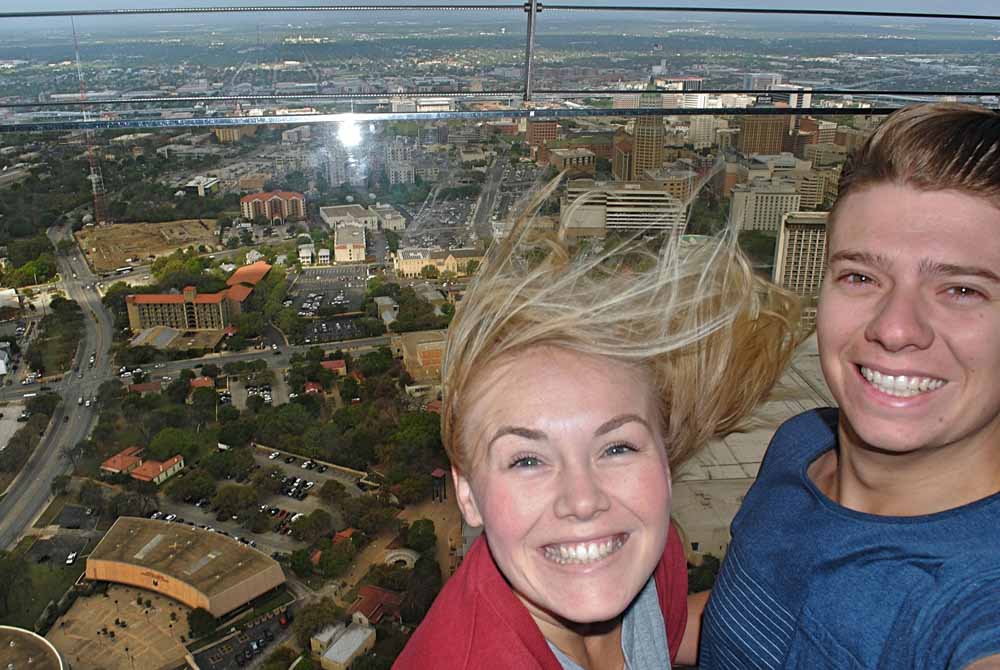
466, 498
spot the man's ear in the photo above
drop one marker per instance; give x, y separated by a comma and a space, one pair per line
466, 498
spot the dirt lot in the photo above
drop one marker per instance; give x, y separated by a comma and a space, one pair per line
110, 247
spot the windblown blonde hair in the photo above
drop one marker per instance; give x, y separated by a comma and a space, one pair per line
713, 336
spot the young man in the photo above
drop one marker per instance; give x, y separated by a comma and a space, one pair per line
871, 538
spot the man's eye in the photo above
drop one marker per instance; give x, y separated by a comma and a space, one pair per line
965, 293
856, 278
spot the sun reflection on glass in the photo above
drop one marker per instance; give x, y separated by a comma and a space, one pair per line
349, 133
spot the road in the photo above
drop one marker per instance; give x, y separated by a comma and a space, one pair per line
482, 224
29, 494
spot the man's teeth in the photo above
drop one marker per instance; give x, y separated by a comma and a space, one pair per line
583, 552
901, 385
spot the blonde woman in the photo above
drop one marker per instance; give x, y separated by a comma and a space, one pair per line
573, 382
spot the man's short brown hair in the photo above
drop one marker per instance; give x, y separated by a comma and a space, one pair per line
931, 147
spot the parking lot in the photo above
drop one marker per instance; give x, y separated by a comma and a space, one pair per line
329, 330
443, 224
251, 643
318, 289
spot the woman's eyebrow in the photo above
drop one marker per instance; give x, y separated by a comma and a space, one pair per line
532, 434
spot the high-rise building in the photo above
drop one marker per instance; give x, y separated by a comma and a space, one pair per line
621, 157
701, 131
825, 154
649, 135
800, 258
760, 204
761, 134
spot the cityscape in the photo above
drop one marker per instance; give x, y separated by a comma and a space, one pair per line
232, 242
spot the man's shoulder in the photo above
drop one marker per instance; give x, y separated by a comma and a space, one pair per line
816, 425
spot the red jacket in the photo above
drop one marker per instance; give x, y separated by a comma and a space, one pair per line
477, 623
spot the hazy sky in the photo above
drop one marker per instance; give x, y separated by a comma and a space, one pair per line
983, 7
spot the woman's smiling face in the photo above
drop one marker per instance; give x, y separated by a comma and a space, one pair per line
569, 479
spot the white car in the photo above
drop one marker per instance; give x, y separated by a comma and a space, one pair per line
170, 517
274, 455
71, 559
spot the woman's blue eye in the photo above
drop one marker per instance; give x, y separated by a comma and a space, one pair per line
525, 462
618, 449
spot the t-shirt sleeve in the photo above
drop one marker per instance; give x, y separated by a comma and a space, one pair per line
672, 589
950, 627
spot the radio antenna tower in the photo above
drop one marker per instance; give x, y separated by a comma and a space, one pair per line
96, 179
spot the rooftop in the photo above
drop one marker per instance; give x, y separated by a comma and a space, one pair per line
123, 460
284, 195
21, 648
149, 470
209, 562
249, 274
347, 643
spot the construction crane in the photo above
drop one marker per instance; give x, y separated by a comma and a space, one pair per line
95, 176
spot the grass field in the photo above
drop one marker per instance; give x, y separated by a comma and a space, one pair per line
110, 247
39, 585
52, 511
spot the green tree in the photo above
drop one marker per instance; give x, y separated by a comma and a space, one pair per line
313, 526
234, 499
314, 617
60, 484
429, 272
300, 563
420, 536
172, 441
201, 622
332, 491
205, 401
177, 390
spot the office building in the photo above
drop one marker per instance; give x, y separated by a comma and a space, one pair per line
577, 162
761, 81
540, 132
648, 139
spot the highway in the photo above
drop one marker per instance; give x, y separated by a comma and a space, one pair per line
27, 497
30, 492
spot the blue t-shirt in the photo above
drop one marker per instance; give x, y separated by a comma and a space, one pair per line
807, 583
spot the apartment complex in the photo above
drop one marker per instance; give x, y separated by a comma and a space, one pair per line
800, 257
273, 205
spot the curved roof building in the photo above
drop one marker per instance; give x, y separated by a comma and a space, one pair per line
21, 648
196, 567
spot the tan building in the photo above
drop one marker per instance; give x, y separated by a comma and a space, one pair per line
339, 645
679, 183
621, 157
231, 134
630, 205
335, 215
577, 162
273, 206
349, 243
800, 257
197, 567
760, 204
825, 154
410, 261
761, 134
421, 352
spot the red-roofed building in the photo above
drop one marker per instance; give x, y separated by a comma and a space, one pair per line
338, 367
315, 556
312, 387
344, 535
249, 274
123, 462
375, 604
144, 388
157, 472
202, 383
434, 406
275, 206
191, 310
